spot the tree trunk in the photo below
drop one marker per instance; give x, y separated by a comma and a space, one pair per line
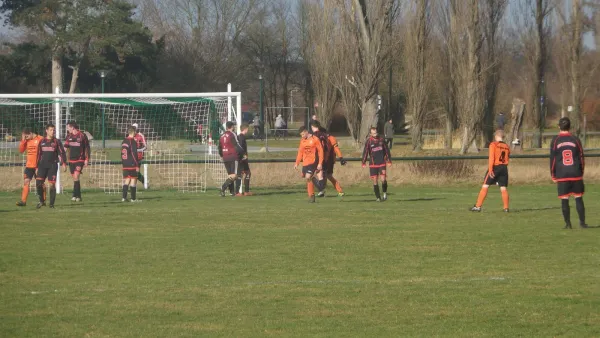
369, 118
575, 64
74, 78
416, 132
57, 72
449, 132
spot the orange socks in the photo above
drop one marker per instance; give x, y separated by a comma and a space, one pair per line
310, 187
25, 193
505, 198
481, 197
336, 184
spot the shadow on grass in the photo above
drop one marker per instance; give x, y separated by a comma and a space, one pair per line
279, 192
396, 200
533, 209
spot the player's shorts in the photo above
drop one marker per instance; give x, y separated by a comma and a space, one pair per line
47, 173
570, 188
130, 173
76, 166
310, 169
377, 171
231, 167
29, 173
328, 167
500, 176
243, 167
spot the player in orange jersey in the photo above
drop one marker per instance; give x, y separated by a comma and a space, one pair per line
333, 151
29, 143
310, 153
497, 172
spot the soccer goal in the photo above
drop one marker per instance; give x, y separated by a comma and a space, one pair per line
180, 153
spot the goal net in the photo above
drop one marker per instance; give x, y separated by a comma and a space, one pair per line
179, 130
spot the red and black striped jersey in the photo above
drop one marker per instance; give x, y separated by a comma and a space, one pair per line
377, 152
79, 147
50, 152
129, 157
566, 158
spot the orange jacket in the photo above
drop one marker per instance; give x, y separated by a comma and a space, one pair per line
310, 151
499, 154
32, 150
333, 144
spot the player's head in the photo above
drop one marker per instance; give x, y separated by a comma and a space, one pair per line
244, 128
27, 133
50, 130
390, 121
229, 125
303, 132
131, 130
135, 127
564, 124
72, 126
315, 126
373, 132
499, 135
314, 118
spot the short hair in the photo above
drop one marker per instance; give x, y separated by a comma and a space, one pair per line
373, 128
323, 130
73, 124
315, 123
564, 124
229, 124
26, 130
302, 129
50, 125
244, 126
499, 132
131, 130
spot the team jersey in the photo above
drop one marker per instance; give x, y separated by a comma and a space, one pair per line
79, 147
141, 145
129, 153
498, 155
243, 145
50, 152
310, 151
334, 149
324, 139
566, 158
229, 147
377, 152
32, 147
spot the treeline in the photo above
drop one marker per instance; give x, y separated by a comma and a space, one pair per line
448, 64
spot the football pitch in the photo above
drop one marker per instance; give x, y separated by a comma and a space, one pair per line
419, 264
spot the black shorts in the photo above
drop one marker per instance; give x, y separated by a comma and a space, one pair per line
130, 173
377, 171
328, 167
570, 188
231, 167
29, 173
310, 169
76, 166
500, 176
243, 167
47, 173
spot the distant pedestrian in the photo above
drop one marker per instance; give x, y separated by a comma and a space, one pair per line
500, 121
388, 133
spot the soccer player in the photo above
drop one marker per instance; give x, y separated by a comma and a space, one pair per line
378, 153
243, 168
29, 142
320, 175
310, 152
230, 151
566, 167
50, 153
497, 173
140, 140
78, 153
129, 160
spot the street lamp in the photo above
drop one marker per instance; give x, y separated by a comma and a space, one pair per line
102, 76
260, 100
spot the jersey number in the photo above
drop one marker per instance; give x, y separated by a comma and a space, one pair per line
124, 154
502, 157
567, 157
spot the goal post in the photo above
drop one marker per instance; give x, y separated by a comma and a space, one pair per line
177, 127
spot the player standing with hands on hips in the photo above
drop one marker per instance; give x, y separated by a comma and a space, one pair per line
497, 171
50, 153
378, 154
78, 148
567, 164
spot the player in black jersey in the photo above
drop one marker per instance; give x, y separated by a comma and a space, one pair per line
243, 167
378, 154
78, 153
129, 160
567, 165
50, 153
321, 176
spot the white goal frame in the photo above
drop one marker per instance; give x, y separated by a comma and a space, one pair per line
233, 113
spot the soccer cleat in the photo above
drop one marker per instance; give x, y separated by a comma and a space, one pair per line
321, 194
506, 210
78, 199
239, 194
51, 206
476, 209
39, 205
248, 194
124, 200
21, 204
568, 226
378, 200
341, 194
311, 199
583, 226
222, 193
385, 196
73, 199
136, 201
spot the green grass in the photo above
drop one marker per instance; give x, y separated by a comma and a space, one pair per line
274, 265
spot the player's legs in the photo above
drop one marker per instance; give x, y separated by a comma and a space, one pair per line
384, 184
247, 176
76, 169
133, 188
310, 186
52, 173
566, 211
336, 183
481, 197
125, 187
375, 178
578, 190
28, 175
232, 168
40, 186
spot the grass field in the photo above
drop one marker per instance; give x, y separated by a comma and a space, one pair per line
419, 264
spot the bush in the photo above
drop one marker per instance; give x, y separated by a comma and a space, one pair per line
454, 169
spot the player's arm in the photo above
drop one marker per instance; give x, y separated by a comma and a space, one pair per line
299, 156
321, 154
133, 149
553, 158
62, 156
491, 159
365, 153
142, 147
581, 156
23, 144
88, 149
236, 144
39, 153
220, 147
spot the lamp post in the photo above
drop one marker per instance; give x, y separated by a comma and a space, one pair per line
262, 113
102, 76
292, 104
